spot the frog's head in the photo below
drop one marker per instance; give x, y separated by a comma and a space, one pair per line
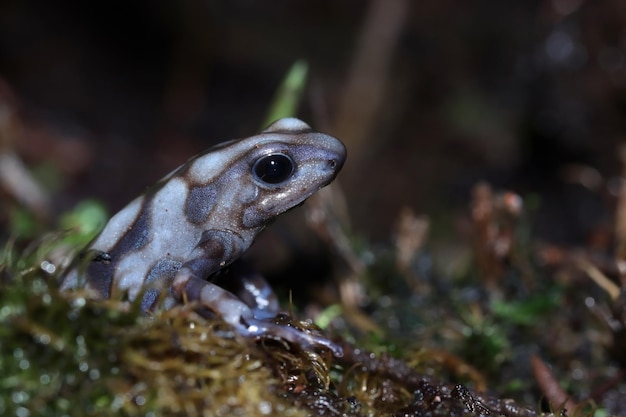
242, 185
286, 164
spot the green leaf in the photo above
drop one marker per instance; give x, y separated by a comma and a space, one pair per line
289, 93
526, 312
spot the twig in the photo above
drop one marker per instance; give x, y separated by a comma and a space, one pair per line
550, 386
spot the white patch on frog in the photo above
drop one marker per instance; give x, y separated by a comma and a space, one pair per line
130, 274
171, 235
290, 124
246, 195
118, 225
206, 168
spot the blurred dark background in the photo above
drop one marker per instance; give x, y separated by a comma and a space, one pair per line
430, 97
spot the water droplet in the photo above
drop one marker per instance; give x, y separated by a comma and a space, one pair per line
79, 302
19, 397
94, 374
22, 412
44, 339
48, 267
265, 407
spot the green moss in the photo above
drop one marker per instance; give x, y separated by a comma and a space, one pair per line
62, 354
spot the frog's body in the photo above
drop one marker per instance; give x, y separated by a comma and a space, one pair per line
204, 215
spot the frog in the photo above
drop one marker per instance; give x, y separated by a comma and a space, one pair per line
163, 247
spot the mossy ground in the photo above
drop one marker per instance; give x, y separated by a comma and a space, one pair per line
422, 343
64, 354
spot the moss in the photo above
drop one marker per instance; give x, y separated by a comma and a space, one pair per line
65, 354
62, 354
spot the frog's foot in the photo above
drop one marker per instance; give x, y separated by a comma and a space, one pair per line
238, 314
264, 328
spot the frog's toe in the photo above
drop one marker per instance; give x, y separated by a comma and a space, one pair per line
302, 338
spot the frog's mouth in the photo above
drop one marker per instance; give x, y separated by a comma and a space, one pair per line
291, 208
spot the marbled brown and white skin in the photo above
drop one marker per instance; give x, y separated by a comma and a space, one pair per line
203, 216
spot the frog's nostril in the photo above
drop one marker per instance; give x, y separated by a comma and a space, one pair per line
334, 164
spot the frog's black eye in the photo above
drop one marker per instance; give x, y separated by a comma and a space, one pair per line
273, 169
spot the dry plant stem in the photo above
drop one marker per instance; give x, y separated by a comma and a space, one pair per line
369, 74
495, 219
15, 179
550, 386
599, 278
411, 233
327, 215
486, 233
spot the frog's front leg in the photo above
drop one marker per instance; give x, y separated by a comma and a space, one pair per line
215, 250
251, 288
